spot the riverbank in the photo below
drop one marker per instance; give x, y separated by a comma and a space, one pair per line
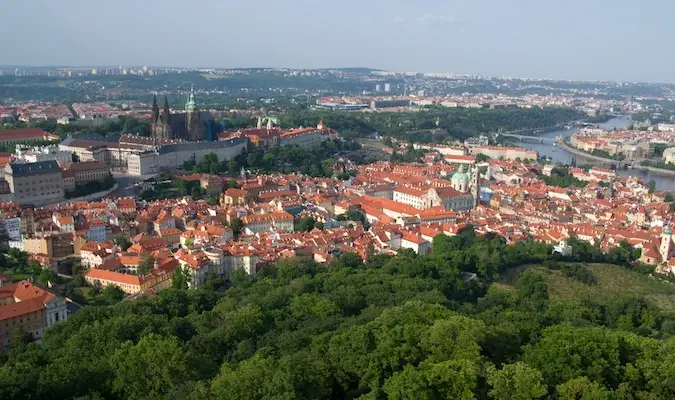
588, 156
567, 147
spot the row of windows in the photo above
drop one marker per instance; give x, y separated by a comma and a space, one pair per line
35, 189
41, 194
34, 183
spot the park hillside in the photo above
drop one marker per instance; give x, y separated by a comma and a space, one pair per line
411, 326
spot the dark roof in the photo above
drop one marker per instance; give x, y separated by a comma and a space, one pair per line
87, 136
201, 145
41, 167
93, 137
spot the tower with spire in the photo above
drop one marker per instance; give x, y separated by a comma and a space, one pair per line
195, 127
161, 122
155, 109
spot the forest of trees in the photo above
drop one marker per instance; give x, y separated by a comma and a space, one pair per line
460, 123
404, 327
561, 177
122, 124
313, 161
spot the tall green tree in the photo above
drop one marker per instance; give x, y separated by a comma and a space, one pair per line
516, 381
149, 369
146, 265
180, 278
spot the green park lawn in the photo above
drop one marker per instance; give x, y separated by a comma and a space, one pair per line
613, 281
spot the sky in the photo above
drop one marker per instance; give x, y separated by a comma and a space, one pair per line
622, 40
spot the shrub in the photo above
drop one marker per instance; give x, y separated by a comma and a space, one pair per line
579, 272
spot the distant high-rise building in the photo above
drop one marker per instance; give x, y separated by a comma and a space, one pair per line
378, 88
420, 93
387, 87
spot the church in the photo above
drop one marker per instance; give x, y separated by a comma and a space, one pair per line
191, 125
462, 194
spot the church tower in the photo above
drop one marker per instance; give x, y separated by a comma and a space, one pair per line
666, 241
475, 185
161, 121
162, 129
193, 121
155, 110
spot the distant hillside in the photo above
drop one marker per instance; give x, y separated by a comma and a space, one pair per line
613, 281
355, 70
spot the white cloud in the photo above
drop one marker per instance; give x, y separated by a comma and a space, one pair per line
397, 19
431, 19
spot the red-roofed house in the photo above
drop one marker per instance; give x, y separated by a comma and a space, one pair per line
29, 309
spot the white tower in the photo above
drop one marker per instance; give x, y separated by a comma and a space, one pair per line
666, 241
475, 185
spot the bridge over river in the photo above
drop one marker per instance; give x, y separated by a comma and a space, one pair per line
523, 138
537, 135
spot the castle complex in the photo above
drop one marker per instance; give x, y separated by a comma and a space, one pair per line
190, 125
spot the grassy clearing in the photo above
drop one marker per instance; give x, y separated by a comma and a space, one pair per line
613, 281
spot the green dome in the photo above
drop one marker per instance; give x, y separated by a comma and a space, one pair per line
666, 230
461, 175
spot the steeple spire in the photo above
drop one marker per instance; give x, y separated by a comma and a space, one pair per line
166, 114
155, 108
191, 105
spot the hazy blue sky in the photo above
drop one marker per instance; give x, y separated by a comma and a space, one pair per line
574, 39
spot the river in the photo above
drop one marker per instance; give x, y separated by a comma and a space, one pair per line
663, 182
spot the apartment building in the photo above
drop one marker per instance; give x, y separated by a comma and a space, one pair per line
51, 245
35, 183
11, 226
272, 221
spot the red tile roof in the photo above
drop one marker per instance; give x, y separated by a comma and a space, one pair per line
12, 310
111, 276
27, 134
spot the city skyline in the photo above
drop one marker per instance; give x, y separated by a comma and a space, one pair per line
571, 41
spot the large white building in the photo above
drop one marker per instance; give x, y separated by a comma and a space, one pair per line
35, 183
142, 156
669, 155
507, 153
174, 155
33, 154
11, 227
